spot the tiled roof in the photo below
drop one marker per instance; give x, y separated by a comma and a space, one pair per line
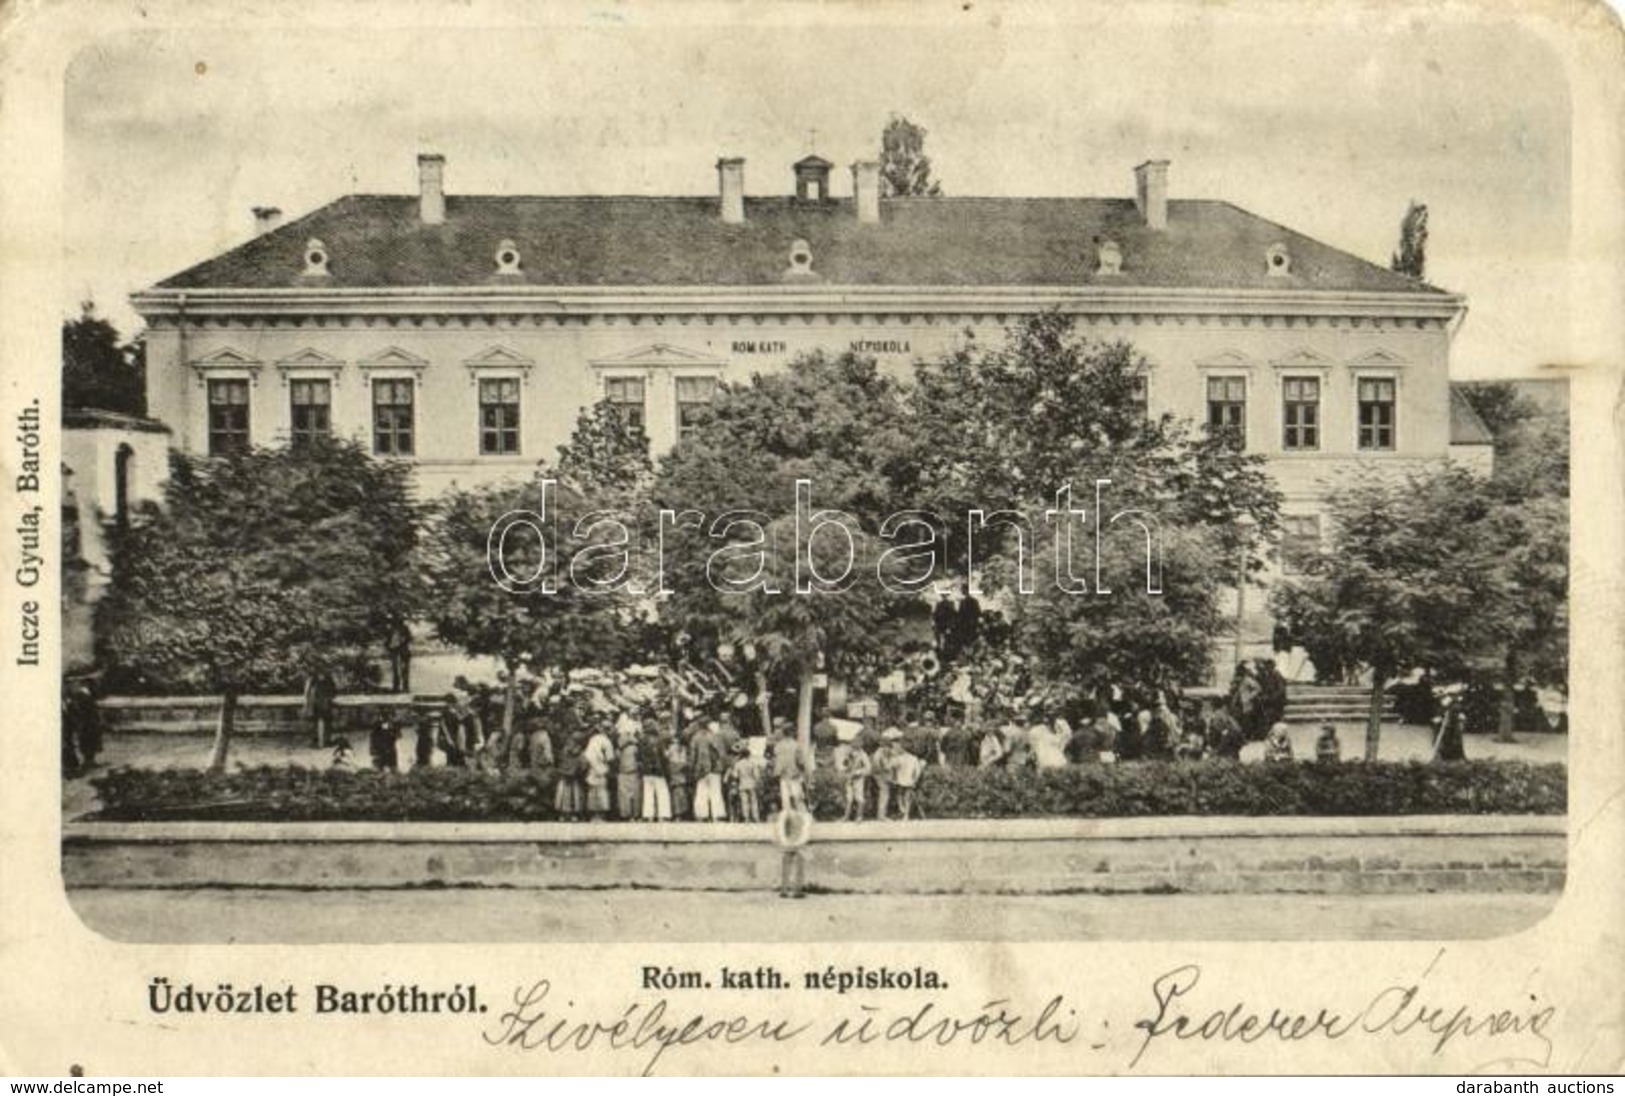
376, 241
1466, 428
95, 418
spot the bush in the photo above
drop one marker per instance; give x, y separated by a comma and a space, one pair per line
1129, 790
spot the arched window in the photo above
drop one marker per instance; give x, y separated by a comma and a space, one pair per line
123, 458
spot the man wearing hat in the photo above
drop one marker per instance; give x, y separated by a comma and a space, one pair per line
710, 762
885, 769
791, 765
628, 770
746, 777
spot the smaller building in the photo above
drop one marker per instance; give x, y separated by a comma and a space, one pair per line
110, 462
1471, 443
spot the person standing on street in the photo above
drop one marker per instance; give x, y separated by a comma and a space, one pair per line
709, 766
792, 829
792, 766
967, 619
679, 774
628, 775
855, 768
747, 778
652, 772
398, 645
320, 693
598, 758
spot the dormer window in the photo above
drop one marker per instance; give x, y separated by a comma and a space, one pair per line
1108, 257
315, 259
508, 258
1278, 261
800, 257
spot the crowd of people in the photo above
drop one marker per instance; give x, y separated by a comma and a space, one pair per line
621, 755
627, 765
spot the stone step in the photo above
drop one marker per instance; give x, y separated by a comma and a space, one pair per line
1321, 705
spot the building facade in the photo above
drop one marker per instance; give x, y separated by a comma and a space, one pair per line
465, 333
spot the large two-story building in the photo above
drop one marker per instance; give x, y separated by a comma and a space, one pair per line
464, 333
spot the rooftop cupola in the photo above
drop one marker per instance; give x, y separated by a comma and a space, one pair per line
812, 178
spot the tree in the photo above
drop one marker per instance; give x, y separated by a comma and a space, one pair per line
1531, 484
606, 453
259, 568
905, 169
503, 610
1004, 428
99, 372
1416, 576
836, 423
1411, 258
1531, 441
1129, 635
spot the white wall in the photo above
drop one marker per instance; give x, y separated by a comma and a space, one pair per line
563, 377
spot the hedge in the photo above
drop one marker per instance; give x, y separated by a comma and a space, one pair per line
1128, 790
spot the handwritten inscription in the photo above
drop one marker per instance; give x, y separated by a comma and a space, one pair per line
655, 1028
1398, 1010
1183, 1008
651, 1029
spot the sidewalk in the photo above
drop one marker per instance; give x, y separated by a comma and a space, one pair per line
492, 916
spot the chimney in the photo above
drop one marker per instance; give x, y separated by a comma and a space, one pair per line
866, 191
1151, 193
266, 218
731, 182
432, 188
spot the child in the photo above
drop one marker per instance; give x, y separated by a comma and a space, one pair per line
855, 767
1327, 746
343, 755
1193, 746
906, 770
990, 751
381, 745
746, 775
792, 829
1278, 747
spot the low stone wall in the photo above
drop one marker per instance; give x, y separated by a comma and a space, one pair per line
1200, 855
255, 714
